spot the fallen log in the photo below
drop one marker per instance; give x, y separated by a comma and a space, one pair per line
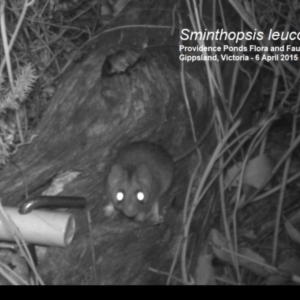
99, 107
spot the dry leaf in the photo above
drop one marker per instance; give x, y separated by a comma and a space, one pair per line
257, 172
232, 178
293, 233
59, 182
250, 261
295, 218
291, 266
205, 273
119, 6
250, 235
219, 241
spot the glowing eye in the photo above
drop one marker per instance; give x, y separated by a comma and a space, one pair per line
120, 196
140, 196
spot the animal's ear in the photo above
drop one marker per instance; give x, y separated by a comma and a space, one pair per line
143, 175
116, 175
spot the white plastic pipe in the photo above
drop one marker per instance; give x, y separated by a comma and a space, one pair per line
39, 227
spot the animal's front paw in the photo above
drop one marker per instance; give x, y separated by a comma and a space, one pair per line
157, 219
109, 210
